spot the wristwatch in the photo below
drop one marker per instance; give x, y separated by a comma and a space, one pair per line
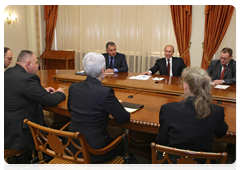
223, 81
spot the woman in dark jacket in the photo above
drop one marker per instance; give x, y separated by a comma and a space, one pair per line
192, 123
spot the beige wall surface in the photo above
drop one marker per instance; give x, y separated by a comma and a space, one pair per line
22, 35
15, 33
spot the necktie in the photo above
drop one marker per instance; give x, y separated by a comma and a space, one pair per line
111, 63
222, 75
168, 68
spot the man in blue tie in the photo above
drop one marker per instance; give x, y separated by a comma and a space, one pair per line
115, 62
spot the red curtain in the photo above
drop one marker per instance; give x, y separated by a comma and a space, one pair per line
182, 23
217, 19
50, 15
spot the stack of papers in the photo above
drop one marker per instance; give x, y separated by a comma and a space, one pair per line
140, 77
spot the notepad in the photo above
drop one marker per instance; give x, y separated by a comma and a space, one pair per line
132, 107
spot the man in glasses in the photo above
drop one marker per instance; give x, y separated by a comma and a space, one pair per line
7, 57
223, 71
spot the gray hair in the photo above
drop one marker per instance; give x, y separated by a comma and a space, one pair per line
93, 64
24, 55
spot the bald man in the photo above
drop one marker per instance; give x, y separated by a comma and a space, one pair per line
23, 99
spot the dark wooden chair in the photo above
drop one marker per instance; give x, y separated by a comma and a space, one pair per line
186, 156
52, 145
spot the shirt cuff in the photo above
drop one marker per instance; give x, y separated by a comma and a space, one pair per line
150, 71
115, 70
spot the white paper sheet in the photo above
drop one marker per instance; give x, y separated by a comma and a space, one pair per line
158, 78
130, 110
221, 86
140, 77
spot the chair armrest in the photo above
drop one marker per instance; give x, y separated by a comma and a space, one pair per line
65, 126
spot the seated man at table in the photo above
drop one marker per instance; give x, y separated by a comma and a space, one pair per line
171, 66
90, 103
23, 99
115, 62
7, 57
223, 71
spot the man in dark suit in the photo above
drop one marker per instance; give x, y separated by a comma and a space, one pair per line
90, 103
115, 62
23, 99
7, 57
172, 66
223, 71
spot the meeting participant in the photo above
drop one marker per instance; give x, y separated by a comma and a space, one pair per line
7, 57
90, 103
171, 66
193, 123
115, 62
223, 71
23, 99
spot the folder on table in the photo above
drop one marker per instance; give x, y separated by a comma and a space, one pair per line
132, 107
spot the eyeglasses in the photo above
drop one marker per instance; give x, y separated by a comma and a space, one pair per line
221, 58
10, 59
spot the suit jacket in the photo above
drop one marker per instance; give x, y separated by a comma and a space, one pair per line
23, 99
180, 128
215, 68
177, 66
90, 104
119, 62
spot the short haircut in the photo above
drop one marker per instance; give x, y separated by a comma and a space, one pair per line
227, 50
6, 50
170, 46
110, 43
23, 55
93, 64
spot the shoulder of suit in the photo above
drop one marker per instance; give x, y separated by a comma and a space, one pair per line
177, 58
120, 54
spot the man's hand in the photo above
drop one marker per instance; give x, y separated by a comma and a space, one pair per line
109, 71
60, 89
146, 73
217, 82
50, 89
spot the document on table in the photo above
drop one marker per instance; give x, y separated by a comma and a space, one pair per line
140, 77
130, 110
131, 107
221, 86
158, 78
109, 73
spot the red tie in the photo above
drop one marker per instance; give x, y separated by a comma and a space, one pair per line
168, 68
222, 75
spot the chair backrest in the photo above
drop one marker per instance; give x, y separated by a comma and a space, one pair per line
50, 142
187, 157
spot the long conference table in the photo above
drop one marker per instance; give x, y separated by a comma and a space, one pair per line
152, 94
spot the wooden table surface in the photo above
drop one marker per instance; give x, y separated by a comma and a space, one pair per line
152, 95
